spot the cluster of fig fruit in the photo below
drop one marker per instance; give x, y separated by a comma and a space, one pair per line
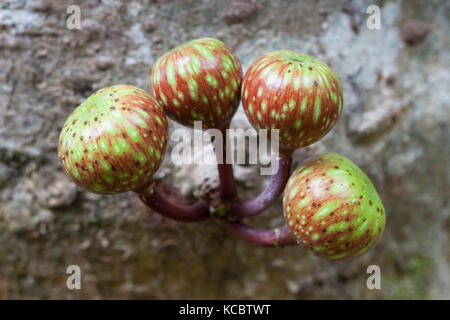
115, 141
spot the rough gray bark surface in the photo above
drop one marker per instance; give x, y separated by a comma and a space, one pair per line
395, 126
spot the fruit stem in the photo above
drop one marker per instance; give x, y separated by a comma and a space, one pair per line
226, 178
278, 180
281, 236
156, 201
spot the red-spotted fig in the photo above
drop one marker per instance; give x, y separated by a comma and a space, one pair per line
198, 81
294, 93
333, 208
114, 141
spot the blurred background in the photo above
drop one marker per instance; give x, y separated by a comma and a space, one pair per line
395, 126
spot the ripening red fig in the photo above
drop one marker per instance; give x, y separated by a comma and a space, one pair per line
198, 81
294, 93
114, 141
333, 208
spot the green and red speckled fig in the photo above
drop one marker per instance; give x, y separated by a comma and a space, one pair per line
198, 81
114, 141
333, 208
297, 94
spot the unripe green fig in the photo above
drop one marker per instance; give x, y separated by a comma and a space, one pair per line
198, 81
333, 208
114, 141
294, 93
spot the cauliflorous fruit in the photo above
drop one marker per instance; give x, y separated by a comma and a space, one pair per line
333, 208
294, 93
198, 81
114, 141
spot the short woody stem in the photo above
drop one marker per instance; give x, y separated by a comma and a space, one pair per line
281, 236
249, 208
156, 201
226, 178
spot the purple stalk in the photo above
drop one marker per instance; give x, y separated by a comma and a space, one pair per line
276, 186
226, 178
185, 213
227, 184
281, 236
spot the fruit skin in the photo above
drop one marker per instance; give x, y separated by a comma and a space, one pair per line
333, 208
114, 141
297, 94
199, 80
